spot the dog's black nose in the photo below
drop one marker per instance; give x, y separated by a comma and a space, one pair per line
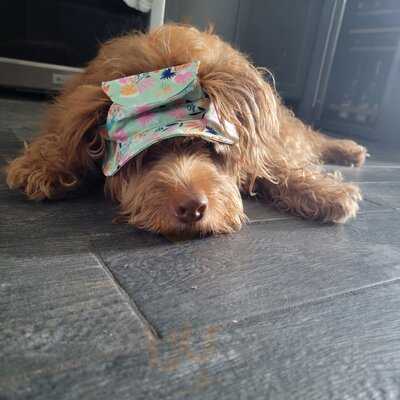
192, 209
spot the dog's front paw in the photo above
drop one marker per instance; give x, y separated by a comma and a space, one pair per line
343, 204
349, 153
36, 179
336, 203
354, 153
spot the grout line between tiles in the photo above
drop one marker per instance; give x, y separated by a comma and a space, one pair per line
150, 329
327, 298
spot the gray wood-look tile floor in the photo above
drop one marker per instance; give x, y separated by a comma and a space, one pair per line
284, 309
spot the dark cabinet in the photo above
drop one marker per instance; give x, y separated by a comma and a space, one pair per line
44, 42
63, 32
336, 62
357, 93
280, 35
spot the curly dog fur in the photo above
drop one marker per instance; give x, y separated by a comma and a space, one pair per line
276, 157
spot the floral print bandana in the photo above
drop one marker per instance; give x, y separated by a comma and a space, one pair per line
154, 106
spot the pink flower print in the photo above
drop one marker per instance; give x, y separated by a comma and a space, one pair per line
125, 80
145, 84
145, 118
120, 135
178, 113
183, 77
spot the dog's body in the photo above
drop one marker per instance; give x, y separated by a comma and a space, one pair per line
189, 185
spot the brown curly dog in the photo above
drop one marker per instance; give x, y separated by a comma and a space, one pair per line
183, 186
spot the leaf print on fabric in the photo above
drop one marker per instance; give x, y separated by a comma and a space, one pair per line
167, 74
211, 130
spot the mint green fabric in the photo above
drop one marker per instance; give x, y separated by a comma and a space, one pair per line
154, 106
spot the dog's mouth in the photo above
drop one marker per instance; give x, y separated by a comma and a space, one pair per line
188, 230
187, 233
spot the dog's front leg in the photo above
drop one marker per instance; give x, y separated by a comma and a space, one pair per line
58, 158
312, 194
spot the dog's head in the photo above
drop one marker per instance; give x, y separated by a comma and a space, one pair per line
179, 187
188, 185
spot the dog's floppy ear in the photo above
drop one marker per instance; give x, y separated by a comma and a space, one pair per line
62, 154
74, 117
243, 97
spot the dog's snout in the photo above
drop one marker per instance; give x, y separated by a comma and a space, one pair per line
191, 209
